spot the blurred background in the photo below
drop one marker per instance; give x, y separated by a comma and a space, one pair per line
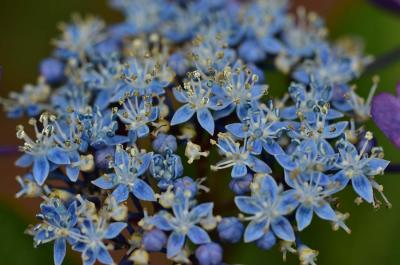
26, 28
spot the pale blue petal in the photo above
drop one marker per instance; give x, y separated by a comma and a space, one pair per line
201, 211
104, 256
104, 182
258, 165
236, 129
24, 161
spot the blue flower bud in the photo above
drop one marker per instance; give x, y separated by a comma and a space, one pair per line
230, 230
52, 70
267, 241
241, 185
209, 254
154, 240
103, 157
164, 142
186, 184
363, 141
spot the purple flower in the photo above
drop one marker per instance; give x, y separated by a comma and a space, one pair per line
393, 5
384, 111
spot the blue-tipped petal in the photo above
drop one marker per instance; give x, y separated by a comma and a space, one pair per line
247, 204
236, 129
24, 161
104, 256
58, 156
104, 182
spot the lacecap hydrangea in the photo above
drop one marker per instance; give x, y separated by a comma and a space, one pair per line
133, 121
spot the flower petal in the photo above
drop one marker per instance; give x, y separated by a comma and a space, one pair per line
143, 191
303, 217
182, 115
114, 229
247, 204
41, 168
363, 187
255, 230
60, 248
175, 244
325, 212
58, 156
206, 120
121, 193
283, 229
198, 236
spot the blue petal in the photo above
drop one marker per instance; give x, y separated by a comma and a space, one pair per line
269, 187
161, 222
182, 115
334, 130
201, 211
288, 202
239, 170
376, 166
142, 131
58, 156
143, 191
272, 147
363, 187
114, 229
24, 161
104, 182
303, 217
286, 162
146, 160
41, 168
60, 248
254, 230
283, 229
104, 256
206, 120
271, 45
198, 236
72, 173
236, 129
340, 180
247, 204
175, 244
325, 212
180, 95
121, 193
258, 165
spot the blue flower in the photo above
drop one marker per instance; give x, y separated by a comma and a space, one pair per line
198, 99
166, 169
238, 157
59, 225
360, 169
43, 152
238, 90
52, 70
127, 169
31, 101
136, 114
93, 247
267, 207
184, 222
262, 133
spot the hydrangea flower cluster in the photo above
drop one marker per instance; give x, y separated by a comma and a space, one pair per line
121, 111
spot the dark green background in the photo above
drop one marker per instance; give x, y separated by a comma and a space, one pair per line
26, 28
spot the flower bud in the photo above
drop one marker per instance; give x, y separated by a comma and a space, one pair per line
154, 240
209, 254
230, 230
